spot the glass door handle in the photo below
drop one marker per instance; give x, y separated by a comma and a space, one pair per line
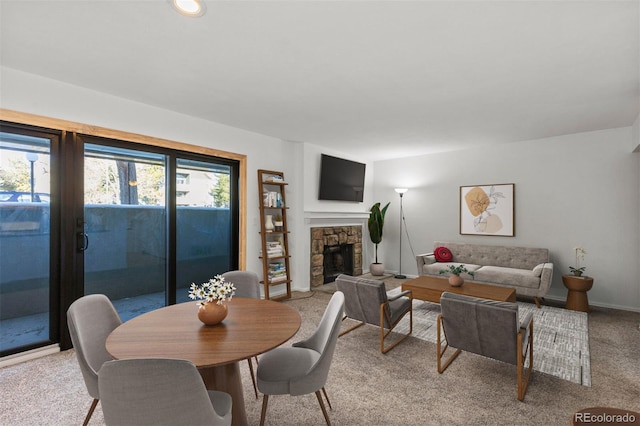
83, 241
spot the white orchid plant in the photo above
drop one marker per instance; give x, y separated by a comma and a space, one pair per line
580, 252
215, 290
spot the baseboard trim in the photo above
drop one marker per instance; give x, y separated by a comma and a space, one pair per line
29, 355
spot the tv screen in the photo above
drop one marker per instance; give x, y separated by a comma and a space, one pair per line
340, 179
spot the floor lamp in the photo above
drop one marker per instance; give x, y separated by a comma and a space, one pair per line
401, 191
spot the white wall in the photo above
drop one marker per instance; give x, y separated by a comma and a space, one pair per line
312, 155
36, 95
579, 189
319, 213
572, 190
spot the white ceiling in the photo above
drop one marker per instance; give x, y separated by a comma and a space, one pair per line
373, 79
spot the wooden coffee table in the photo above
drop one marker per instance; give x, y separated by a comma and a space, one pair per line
431, 288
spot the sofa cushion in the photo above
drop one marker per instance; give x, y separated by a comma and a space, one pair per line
435, 268
428, 258
507, 276
505, 256
443, 254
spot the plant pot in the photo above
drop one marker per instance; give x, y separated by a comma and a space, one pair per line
456, 280
210, 313
376, 269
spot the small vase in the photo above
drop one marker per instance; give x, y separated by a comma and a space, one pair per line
577, 273
268, 223
210, 313
456, 280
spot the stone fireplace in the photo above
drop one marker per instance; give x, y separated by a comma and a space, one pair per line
335, 250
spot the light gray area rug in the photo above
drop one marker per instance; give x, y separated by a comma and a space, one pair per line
560, 337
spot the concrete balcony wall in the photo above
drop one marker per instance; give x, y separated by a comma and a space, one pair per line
126, 256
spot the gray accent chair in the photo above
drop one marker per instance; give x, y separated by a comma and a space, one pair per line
303, 368
367, 301
91, 319
247, 285
159, 392
487, 328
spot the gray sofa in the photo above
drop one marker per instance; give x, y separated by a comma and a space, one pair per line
527, 270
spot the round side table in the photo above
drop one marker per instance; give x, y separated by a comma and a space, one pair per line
577, 295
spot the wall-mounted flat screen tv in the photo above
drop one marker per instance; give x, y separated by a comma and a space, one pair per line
340, 179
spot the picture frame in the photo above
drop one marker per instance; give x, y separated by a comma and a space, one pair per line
488, 210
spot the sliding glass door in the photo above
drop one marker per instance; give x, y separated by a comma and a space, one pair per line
204, 224
155, 221
25, 239
125, 227
83, 215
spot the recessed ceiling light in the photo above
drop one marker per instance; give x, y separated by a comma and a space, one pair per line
189, 7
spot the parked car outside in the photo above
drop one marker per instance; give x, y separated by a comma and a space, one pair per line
24, 197
18, 214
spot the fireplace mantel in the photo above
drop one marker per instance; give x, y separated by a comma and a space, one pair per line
343, 218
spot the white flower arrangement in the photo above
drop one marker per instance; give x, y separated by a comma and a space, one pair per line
215, 290
580, 252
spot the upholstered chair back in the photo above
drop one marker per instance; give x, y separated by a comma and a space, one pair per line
160, 392
247, 283
481, 326
363, 298
91, 319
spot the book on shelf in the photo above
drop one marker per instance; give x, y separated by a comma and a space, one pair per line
272, 199
274, 178
276, 271
274, 249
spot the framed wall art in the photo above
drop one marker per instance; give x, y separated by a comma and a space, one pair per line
488, 210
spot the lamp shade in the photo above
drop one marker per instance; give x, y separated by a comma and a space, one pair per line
401, 190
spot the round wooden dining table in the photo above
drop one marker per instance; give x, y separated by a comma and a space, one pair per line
252, 327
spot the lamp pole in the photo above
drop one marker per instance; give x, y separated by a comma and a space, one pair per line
401, 191
32, 158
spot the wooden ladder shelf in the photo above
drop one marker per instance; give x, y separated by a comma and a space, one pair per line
274, 234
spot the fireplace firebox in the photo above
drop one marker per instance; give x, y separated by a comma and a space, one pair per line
338, 260
335, 250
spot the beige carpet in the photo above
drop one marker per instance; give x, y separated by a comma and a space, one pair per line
369, 388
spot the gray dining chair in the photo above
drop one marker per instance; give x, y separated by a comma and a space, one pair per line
488, 328
91, 319
247, 285
159, 392
303, 368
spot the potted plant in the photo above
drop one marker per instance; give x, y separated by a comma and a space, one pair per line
455, 270
376, 223
578, 270
212, 308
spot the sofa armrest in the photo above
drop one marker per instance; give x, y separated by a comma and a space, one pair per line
545, 279
424, 259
